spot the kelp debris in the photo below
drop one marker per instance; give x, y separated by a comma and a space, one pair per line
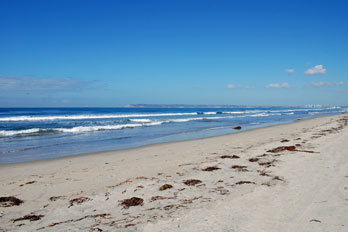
282, 148
253, 159
229, 157
10, 201
30, 182
165, 186
245, 182
277, 178
209, 169
29, 217
156, 198
192, 182
54, 198
240, 168
134, 201
288, 148
237, 128
267, 163
79, 201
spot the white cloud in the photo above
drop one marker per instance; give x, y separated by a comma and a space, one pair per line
323, 83
318, 69
231, 86
41, 84
276, 85
290, 70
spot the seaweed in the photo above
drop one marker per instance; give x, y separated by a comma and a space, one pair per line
134, 201
30, 182
237, 128
209, 169
10, 201
192, 182
240, 168
245, 182
165, 186
79, 201
282, 148
253, 159
156, 198
30, 217
229, 157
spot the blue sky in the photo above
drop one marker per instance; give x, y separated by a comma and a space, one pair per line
113, 53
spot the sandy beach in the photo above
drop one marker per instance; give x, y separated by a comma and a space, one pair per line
291, 177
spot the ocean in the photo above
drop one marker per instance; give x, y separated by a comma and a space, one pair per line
28, 134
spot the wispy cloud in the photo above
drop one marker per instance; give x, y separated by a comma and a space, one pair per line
341, 90
41, 84
290, 70
231, 86
276, 85
323, 83
316, 70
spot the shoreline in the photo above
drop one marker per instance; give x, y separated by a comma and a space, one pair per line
273, 185
155, 144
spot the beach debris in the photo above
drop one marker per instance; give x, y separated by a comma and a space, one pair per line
229, 157
209, 169
121, 183
240, 168
79, 201
134, 201
288, 148
245, 182
156, 198
284, 140
165, 186
267, 163
237, 128
103, 215
54, 198
10, 201
267, 184
282, 148
95, 229
315, 220
263, 155
30, 217
253, 159
168, 207
192, 182
190, 201
221, 190
128, 225
263, 173
277, 178
30, 182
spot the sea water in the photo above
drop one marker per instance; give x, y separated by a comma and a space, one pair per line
28, 134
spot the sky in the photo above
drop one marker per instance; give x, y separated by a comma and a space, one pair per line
70, 53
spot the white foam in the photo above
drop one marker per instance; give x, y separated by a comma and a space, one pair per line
81, 117
140, 120
16, 132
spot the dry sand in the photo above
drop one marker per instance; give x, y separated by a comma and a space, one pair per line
301, 186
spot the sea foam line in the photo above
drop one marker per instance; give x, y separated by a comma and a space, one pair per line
141, 122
